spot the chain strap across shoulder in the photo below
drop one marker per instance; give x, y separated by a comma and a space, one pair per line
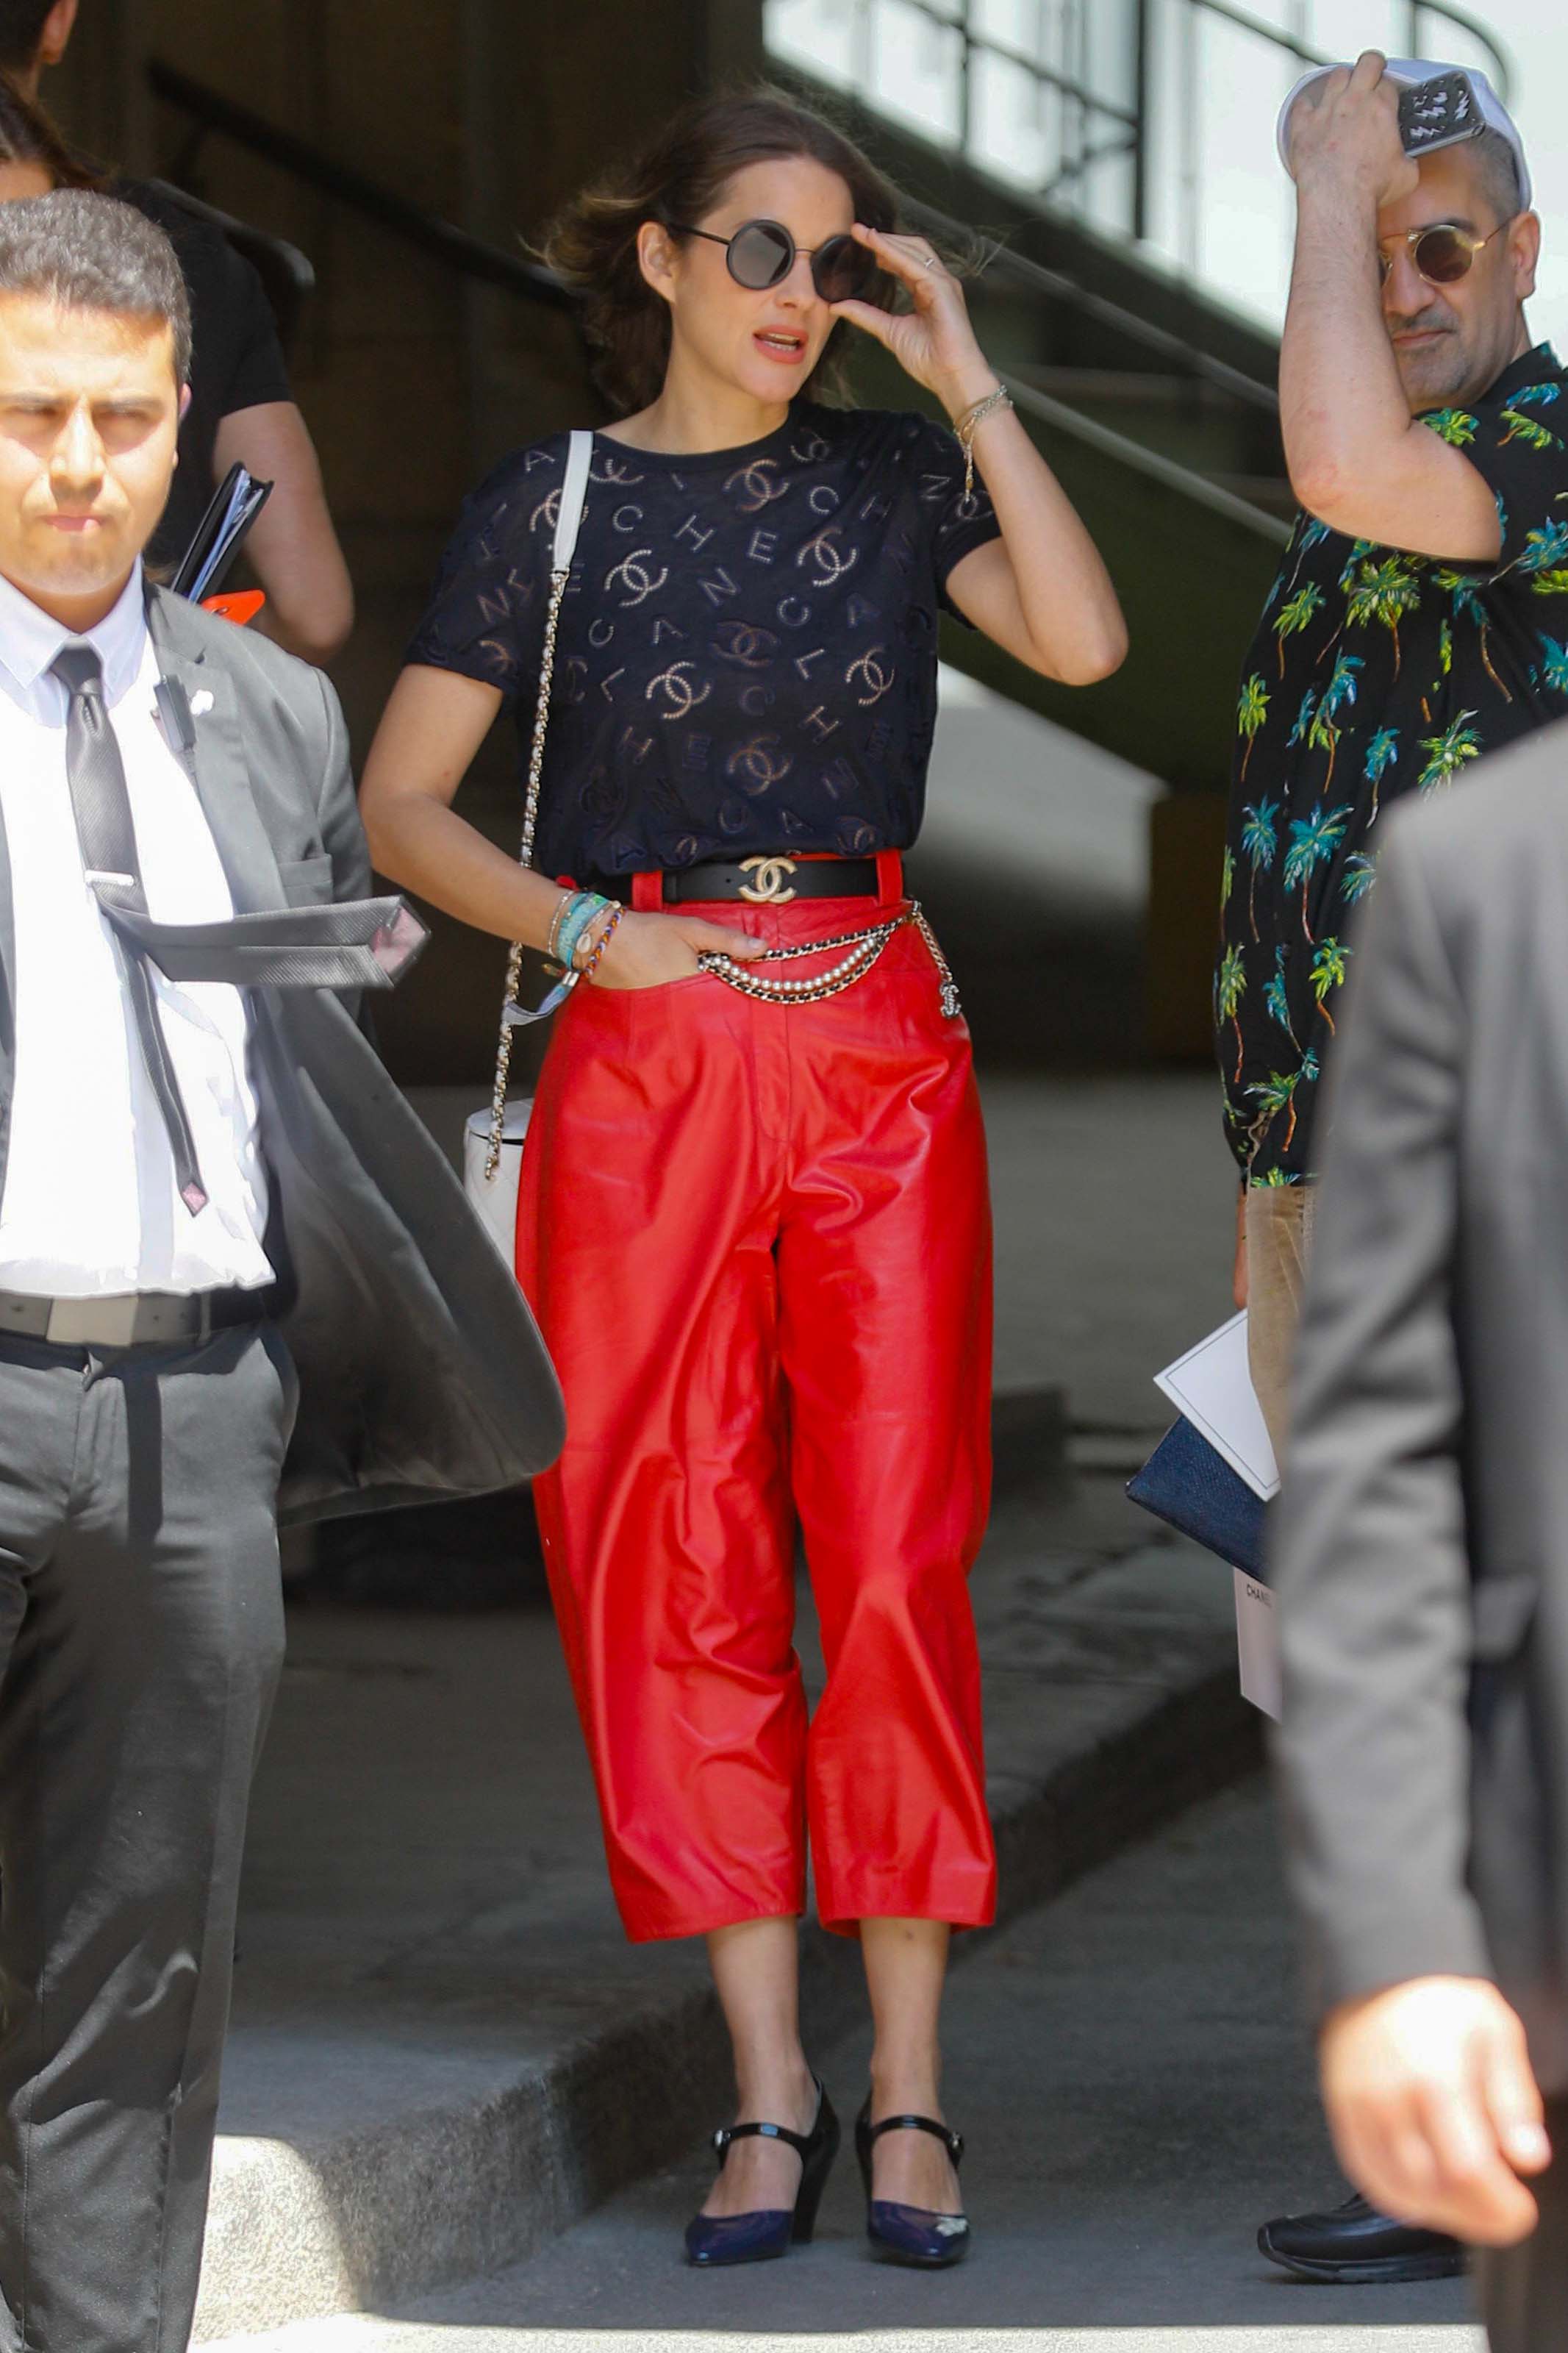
861, 949
513, 1016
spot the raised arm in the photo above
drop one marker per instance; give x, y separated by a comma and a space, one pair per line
1041, 591
1357, 458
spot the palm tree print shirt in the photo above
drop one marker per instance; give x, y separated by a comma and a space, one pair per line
1374, 672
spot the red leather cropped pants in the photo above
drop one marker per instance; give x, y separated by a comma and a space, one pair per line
757, 1240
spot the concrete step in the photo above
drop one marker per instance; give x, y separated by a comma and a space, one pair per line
362, 2334
1128, 2067
443, 2050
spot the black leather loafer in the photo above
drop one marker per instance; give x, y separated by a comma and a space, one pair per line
1355, 2246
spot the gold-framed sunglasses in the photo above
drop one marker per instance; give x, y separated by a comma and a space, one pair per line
1442, 252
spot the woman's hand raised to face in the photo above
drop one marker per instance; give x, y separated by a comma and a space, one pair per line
934, 342
650, 950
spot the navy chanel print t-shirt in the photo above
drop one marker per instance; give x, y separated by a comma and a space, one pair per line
748, 645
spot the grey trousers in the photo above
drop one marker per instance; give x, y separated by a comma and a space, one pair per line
140, 1638
1523, 2291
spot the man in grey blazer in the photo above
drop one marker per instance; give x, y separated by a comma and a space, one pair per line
235, 1276
1422, 1560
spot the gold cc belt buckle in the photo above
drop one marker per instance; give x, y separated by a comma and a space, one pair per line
770, 888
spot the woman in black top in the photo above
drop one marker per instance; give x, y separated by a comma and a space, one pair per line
754, 1225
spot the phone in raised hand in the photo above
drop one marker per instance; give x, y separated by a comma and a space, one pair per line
1440, 113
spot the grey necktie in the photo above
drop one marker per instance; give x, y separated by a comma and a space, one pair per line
353, 944
107, 838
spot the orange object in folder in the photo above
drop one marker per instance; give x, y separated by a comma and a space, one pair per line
241, 606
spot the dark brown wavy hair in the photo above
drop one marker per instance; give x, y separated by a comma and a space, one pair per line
680, 176
28, 136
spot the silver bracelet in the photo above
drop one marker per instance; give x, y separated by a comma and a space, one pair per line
966, 426
561, 906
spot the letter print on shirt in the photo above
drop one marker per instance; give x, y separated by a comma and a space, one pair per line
740, 627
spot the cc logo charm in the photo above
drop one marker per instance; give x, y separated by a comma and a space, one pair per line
770, 889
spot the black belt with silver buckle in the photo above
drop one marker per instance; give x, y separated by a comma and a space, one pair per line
129, 1319
772, 881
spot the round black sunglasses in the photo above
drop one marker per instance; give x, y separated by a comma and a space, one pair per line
760, 253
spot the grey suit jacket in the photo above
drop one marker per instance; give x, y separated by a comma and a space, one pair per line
421, 1373
1422, 1558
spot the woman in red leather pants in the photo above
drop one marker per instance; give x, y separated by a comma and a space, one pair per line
754, 1219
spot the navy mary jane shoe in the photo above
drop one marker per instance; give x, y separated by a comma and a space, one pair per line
911, 2234
713, 2240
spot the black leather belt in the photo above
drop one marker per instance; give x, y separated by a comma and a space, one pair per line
772, 881
129, 1319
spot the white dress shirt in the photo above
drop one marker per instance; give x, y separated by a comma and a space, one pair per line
90, 1207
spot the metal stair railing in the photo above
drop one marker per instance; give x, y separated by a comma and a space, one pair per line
1002, 261
210, 112
1095, 125
1173, 712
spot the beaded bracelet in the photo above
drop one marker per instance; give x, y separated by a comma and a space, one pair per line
585, 908
565, 901
596, 955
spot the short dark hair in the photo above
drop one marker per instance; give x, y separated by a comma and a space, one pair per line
89, 252
1497, 169
21, 30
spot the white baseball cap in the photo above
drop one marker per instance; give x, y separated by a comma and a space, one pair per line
1407, 71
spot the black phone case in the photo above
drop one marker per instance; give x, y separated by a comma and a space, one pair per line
1440, 113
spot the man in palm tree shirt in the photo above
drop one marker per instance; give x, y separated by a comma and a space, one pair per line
1420, 619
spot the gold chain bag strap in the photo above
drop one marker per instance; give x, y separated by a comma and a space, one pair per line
513, 1016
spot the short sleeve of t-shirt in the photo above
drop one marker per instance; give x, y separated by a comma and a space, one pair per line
257, 372
237, 360
957, 523
747, 652
1518, 443
484, 619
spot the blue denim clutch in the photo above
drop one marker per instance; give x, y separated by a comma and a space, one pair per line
1191, 1487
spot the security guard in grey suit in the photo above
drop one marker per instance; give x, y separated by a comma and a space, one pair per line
1423, 1557
236, 1277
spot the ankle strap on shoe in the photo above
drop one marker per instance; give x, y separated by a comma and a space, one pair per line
952, 2141
799, 2142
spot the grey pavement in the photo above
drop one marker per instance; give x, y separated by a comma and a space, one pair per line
1130, 2067
1115, 1208
363, 2334
443, 2052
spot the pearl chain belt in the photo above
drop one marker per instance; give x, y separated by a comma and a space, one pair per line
862, 951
